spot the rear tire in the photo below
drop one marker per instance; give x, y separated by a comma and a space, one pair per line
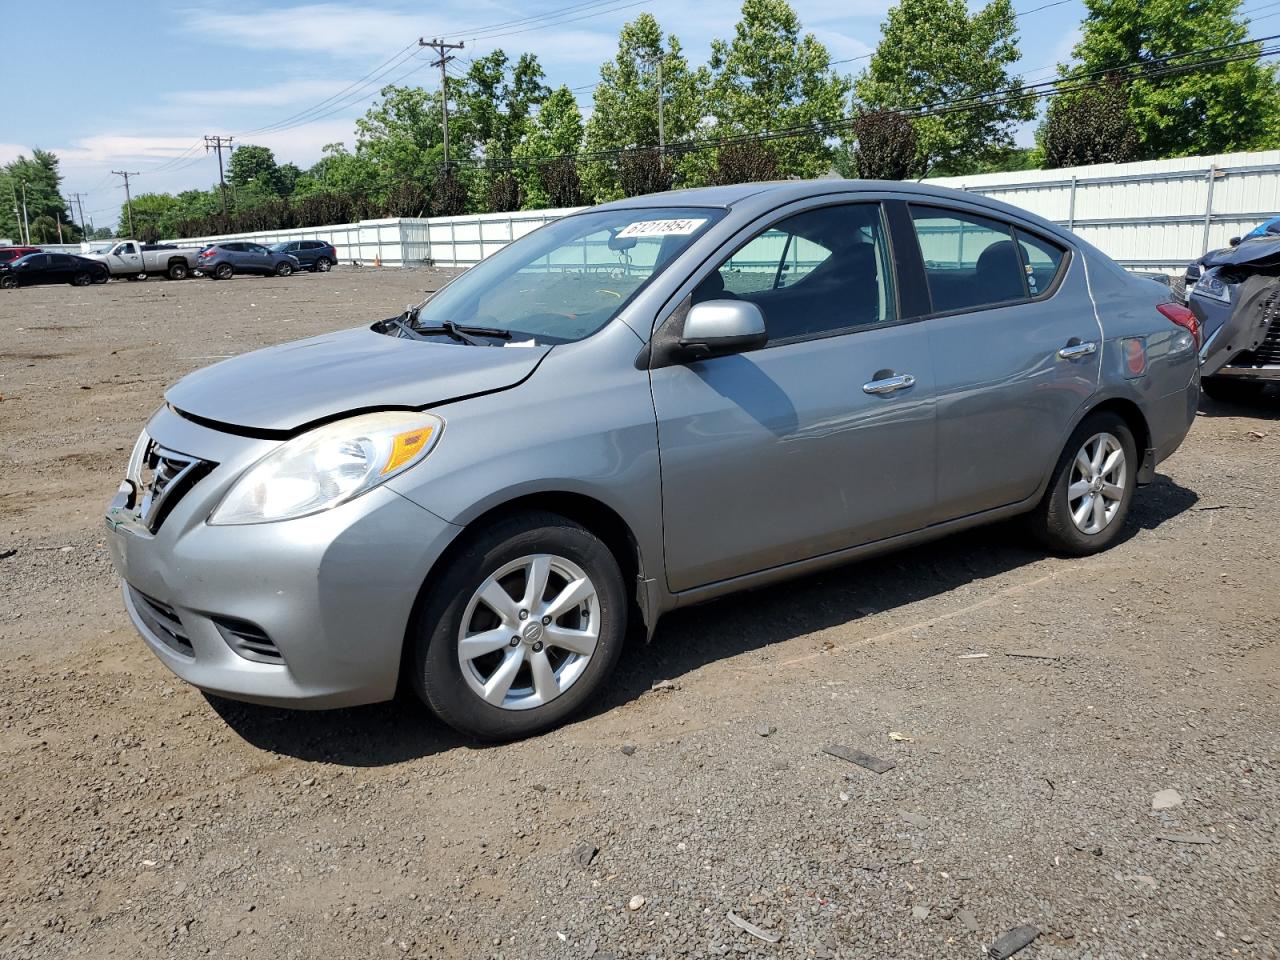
222, 271
547, 682
1231, 390
177, 271
1087, 502
81, 280
323, 265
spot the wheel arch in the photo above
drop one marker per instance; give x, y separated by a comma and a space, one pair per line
1128, 411
593, 514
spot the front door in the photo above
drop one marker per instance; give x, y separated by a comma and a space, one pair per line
823, 439
1016, 351
128, 259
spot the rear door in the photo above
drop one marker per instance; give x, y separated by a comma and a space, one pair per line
1016, 349
822, 440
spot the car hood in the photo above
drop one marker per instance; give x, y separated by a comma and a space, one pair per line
1259, 251
282, 388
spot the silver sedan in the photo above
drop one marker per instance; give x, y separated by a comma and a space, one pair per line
638, 407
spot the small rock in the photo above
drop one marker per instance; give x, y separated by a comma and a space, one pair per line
920, 913
1166, 800
584, 854
765, 729
636, 902
628, 749
1012, 942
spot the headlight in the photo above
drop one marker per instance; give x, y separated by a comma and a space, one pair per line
1211, 287
328, 466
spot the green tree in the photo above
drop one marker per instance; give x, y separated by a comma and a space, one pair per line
401, 138
45, 204
1233, 106
554, 132
625, 113
340, 171
746, 162
935, 52
495, 103
1093, 126
770, 77
153, 217
885, 146
251, 164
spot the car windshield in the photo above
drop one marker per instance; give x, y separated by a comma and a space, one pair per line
278, 247
567, 280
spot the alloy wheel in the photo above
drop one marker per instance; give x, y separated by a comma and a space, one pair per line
1097, 483
529, 632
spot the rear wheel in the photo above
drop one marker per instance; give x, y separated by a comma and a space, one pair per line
1088, 499
324, 265
1231, 390
177, 270
102, 277
81, 280
284, 269
522, 629
222, 271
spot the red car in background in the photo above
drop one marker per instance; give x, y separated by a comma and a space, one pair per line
10, 254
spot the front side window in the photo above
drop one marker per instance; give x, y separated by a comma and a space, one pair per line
813, 274
970, 261
565, 281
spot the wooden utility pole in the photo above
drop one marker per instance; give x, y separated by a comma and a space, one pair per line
443, 57
84, 227
217, 143
128, 197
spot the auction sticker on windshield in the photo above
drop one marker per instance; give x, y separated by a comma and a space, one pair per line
662, 228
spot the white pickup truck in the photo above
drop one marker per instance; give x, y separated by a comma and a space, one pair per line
134, 261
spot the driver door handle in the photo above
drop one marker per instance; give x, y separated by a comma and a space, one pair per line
1074, 350
892, 384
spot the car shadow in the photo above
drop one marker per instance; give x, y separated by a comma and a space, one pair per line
403, 729
1265, 407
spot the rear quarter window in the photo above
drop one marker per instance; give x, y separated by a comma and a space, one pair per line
1042, 261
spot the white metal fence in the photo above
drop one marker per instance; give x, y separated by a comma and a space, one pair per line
1154, 215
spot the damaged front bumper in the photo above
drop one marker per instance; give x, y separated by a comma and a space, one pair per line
1242, 332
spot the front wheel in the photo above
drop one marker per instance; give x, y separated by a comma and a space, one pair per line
1231, 390
8, 283
1088, 499
522, 630
284, 269
81, 280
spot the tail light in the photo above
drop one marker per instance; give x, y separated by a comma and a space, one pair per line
1183, 317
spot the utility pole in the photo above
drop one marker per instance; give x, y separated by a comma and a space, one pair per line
26, 224
217, 143
443, 57
58, 214
662, 135
17, 215
128, 198
84, 227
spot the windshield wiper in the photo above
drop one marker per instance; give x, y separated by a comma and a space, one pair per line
463, 333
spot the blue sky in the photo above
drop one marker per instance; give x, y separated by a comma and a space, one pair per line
136, 86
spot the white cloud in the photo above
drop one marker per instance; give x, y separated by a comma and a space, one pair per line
280, 95
10, 151
338, 29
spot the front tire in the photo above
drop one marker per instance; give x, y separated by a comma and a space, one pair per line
284, 269
1231, 390
81, 280
522, 630
1085, 507
8, 283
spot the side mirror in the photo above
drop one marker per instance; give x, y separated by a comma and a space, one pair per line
1234, 241
719, 328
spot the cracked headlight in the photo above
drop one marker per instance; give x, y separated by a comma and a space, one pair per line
328, 466
1210, 287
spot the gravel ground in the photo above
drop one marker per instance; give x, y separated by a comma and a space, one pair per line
1033, 707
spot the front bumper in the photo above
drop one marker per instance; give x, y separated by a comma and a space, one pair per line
333, 593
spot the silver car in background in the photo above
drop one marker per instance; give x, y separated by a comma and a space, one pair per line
638, 407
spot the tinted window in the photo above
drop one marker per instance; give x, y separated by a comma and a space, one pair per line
969, 261
1041, 259
820, 272
59, 260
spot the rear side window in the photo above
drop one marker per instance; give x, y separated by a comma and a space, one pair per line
1041, 260
969, 261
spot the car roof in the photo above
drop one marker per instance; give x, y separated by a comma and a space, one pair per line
757, 198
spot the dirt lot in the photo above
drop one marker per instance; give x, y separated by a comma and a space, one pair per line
138, 819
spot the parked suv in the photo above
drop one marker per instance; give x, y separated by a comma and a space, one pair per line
638, 407
315, 255
222, 261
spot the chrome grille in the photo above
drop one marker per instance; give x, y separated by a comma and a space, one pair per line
157, 479
163, 622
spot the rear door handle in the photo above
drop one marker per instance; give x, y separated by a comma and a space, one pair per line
893, 384
1075, 350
